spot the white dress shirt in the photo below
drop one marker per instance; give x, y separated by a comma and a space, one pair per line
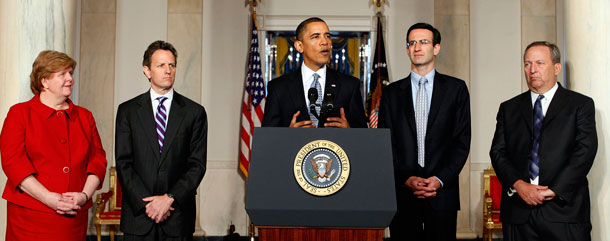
167, 103
307, 76
545, 102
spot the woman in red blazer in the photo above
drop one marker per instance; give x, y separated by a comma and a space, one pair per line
52, 155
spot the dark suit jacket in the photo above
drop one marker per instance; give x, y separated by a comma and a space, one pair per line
286, 97
568, 143
143, 172
447, 137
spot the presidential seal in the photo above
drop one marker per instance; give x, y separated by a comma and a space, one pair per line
321, 168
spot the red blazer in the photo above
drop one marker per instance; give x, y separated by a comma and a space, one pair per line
60, 148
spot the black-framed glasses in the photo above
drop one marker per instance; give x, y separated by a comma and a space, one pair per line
414, 42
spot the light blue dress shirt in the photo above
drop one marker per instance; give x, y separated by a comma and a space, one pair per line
428, 87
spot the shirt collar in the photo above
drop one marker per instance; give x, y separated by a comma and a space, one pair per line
429, 76
154, 95
306, 72
548, 96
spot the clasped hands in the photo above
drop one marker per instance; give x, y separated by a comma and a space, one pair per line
339, 122
67, 203
533, 194
158, 208
423, 187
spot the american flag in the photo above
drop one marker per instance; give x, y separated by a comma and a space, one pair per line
379, 76
254, 100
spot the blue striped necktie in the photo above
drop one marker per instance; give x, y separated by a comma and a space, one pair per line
161, 119
538, 119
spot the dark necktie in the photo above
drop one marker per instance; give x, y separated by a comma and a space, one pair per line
538, 119
161, 119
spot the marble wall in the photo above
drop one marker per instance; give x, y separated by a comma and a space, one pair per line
495, 76
538, 23
452, 19
588, 67
96, 72
184, 31
222, 192
26, 28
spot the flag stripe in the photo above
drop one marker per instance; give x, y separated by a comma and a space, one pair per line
379, 76
253, 101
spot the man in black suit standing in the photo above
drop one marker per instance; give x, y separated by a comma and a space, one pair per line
543, 148
428, 114
161, 152
287, 105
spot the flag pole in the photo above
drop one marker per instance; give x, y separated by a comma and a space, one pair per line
378, 3
379, 75
253, 4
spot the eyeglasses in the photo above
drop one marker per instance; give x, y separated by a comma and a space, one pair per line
414, 42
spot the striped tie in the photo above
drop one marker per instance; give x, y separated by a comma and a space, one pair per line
534, 168
316, 84
161, 118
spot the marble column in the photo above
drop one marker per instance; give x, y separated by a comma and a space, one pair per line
452, 19
184, 31
538, 23
26, 28
96, 79
588, 68
495, 76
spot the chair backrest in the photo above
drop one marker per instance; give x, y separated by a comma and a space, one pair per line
493, 188
117, 195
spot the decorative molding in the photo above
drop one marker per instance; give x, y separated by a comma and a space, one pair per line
335, 23
479, 167
223, 164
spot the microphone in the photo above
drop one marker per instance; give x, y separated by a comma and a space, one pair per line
312, 96
329, 100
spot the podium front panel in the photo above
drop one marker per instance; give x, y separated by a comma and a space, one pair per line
274, 198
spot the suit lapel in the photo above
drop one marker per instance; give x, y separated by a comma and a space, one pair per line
438, 95
332, 83
176, 116
527, 111
297, 93
557, 102
405, 86
146, 115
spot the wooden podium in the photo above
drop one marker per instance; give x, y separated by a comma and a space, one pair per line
319, 234
282, 210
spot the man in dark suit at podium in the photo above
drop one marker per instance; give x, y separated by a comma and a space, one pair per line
428, 114
290, 102
543, 148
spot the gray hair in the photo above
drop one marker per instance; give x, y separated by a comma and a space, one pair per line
555, 54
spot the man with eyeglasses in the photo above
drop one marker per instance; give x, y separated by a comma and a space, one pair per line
428, 114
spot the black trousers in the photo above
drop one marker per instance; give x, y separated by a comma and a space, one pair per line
420, 222
537, 228
156, 234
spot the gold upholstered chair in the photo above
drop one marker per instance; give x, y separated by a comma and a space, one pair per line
111, 217
492, 194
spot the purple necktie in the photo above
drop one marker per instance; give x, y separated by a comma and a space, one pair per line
161, 119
